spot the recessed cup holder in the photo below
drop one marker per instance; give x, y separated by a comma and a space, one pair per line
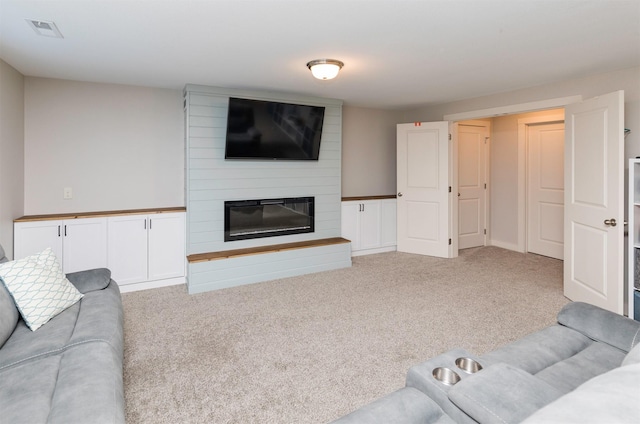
468, 365
446, 376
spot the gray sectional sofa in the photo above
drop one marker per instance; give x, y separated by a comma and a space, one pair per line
70, 369
584, 369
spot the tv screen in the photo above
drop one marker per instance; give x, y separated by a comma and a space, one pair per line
258, 129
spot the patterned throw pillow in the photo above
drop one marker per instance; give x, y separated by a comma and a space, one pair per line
39, 288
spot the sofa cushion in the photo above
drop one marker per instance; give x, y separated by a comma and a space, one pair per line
38, 287
501, 394
609, 398
82, 384
633, 357
537, 351
407, 406
570, 373
98, 316
8, 315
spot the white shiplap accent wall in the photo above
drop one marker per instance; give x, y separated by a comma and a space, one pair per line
211, 180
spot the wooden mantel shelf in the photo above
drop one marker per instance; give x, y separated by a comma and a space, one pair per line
226, 254
54, 217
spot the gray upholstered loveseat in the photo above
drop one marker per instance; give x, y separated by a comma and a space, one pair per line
584, 369
70, 369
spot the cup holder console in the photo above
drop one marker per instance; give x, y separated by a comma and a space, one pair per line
449, 377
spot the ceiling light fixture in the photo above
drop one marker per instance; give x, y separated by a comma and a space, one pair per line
325, 69
45, 28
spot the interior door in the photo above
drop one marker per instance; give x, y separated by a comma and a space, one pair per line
545, 189
472, 185
594, 202
424, 189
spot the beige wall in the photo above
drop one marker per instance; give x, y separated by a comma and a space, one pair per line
117, 147
11, 152
368, 152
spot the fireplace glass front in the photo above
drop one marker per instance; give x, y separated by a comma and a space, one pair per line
247, 219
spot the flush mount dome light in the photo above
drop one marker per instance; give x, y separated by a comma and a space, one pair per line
325, 69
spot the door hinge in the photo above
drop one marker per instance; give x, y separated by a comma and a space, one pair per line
449, 242
485, 231
449, 189
449, 137
485, 186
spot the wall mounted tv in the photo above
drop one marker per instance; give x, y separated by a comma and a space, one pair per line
258, 129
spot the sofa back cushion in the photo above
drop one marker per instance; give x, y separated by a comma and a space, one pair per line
9, 315
601, 325
3, 257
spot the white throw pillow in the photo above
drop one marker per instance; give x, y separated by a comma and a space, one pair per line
39, 288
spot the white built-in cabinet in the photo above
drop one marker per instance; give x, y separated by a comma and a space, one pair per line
633, 251
79, 244
370, 225
142, 250
146, 247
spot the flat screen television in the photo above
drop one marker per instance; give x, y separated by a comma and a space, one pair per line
258, 129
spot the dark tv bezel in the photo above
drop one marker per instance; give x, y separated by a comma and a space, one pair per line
271, 158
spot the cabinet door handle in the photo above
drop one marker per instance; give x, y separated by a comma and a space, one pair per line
363, 207
65, 230
150, 222
145, 223
58, 231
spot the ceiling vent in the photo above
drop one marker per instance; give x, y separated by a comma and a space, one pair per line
45, 28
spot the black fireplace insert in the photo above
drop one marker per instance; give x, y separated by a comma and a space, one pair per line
247, 219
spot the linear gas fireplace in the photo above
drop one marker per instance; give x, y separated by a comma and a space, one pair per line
247, 219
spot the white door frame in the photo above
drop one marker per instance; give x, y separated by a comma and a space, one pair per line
523, 123
513, 109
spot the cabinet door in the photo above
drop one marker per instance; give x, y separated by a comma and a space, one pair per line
127, 248
370, 224
166, 246
84, 244
388, 222
35, 236
351, 223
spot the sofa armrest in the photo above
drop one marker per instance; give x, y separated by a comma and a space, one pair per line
502, 394
601, 325
90, 280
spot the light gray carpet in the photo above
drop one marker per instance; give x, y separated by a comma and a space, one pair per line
310, 349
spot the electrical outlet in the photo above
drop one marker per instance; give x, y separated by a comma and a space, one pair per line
68, 193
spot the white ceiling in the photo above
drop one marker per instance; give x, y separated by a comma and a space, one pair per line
396, 53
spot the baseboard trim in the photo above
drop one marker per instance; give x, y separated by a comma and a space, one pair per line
373, 251
146, 285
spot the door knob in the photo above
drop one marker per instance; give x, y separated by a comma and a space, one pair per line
610, 222
400, 194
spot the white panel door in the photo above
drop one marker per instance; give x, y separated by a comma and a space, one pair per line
593, 229
471, 185
84, 244
167, 254
423, 188
127, 248
545, 189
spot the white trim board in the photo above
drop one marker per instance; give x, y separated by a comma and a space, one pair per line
514, 109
